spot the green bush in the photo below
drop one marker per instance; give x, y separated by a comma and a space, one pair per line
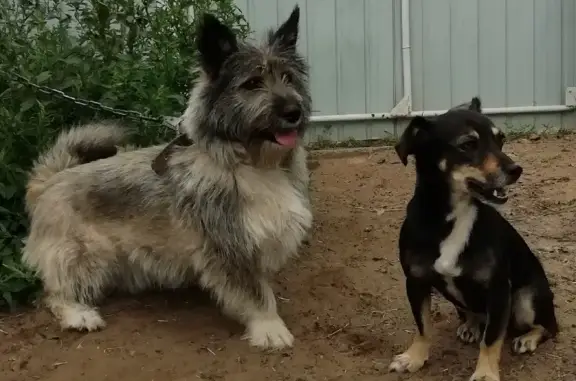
126, 54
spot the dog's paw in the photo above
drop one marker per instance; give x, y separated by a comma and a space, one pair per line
525, 343
469, 332
407, 362
81, 319
269, 333
481, 375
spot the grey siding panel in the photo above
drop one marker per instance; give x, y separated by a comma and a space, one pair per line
492, 52
464, 49
510, 52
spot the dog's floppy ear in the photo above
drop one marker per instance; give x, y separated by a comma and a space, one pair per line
216, 42
410, 138
287, 34
475, 105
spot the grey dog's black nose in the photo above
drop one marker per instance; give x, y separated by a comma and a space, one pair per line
291, 114
514, 171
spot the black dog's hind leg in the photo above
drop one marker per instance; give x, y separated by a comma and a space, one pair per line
498, 315
535, 311
419, 296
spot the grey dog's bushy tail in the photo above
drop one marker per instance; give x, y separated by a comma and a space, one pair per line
76, 146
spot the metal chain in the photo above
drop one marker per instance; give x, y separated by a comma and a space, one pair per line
171, 122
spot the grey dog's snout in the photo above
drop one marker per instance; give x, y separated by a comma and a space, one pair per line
291, 115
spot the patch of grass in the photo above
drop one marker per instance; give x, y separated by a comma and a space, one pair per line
322, 143
513, 132
527, 131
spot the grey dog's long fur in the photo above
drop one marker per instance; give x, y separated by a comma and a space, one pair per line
229, 209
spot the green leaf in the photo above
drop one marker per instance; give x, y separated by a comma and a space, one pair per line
69, 82
27, 105
7, 91
43, 77
5, 252
177, 97
73, 60
17, 285
7, 191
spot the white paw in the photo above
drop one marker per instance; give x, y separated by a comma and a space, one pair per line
406, 362
469, 332
525, 343
269, 333
81, 319
484, 376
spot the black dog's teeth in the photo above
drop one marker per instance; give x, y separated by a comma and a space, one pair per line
499, 192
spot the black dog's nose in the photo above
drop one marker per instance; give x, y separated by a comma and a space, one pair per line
514, 171
291, 114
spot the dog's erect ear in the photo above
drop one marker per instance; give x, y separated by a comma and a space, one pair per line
409, 139
287, 34
475, 105
216, 42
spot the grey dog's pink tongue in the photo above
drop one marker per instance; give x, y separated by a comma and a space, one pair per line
287, 139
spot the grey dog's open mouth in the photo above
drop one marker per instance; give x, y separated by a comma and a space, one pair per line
494, 195
287, 138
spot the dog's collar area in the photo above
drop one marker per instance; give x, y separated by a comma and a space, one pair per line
160, 163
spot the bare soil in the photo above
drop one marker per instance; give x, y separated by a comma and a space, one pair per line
343, 299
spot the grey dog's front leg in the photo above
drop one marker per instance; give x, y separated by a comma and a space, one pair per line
228, 267
247, 296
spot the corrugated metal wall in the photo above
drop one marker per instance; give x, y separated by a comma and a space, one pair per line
510, 52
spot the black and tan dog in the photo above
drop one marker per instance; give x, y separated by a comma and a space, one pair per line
454, 241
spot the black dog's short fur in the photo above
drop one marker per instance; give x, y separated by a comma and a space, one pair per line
453, 241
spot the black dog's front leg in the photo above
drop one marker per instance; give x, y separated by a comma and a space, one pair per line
419, 296
498, 314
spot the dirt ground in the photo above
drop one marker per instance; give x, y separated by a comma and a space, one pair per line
343, 299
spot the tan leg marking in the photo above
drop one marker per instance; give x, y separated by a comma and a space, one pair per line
529, 341
417, 354
488, 365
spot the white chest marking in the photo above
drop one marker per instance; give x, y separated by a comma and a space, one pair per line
453, 290
464, 215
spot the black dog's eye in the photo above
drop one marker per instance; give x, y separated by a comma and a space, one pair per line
469, 145
252, 84
287, 77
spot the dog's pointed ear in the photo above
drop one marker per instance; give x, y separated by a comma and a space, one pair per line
216, 42
475, 105
407, 144
286, 36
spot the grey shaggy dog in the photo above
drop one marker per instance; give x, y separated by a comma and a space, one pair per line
223, 212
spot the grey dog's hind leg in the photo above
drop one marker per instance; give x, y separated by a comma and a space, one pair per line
72, 284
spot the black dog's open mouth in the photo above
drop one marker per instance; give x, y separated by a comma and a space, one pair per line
493, 195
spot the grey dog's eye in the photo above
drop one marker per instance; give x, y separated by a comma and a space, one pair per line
252, 84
